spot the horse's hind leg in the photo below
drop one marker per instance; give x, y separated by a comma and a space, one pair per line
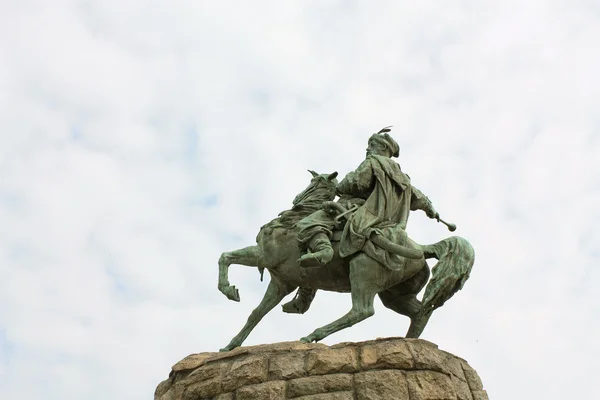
405, 304
402, 298
364, 289
249, 256
276, 291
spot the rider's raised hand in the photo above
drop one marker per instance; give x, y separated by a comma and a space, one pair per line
433, 214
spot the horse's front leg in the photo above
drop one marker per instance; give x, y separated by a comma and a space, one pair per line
276, 291
249, 256
362, 308
364, 286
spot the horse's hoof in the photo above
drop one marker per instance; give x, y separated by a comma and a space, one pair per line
309, 339
230, 292
229, 347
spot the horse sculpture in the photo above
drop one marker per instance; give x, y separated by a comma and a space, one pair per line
277, 250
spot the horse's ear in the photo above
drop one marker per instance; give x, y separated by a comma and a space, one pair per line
332, 176
313, 173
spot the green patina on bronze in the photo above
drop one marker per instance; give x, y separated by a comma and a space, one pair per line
357, 244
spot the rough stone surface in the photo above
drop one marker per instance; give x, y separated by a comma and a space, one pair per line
192, 361
162, 388
463, 392
471, 376
319, 384
246, 371
427, 356
480, 395
328, 396
331, 361
386, 354
286, 366
381, 385
430, 385
206, 381
265, 391
391, 368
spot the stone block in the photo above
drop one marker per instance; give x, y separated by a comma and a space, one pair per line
430, 385
286, 366
388, 354
463, 392
199, 391
264, 391
428, 357
285, 346
381, 385
453, 365
246, 371
163, 388
175, 392
192, 361
480, 395
207, 381
471, 376
319, 384
328, 396
332, 361
235, 353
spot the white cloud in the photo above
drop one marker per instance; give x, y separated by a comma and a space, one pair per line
139, 140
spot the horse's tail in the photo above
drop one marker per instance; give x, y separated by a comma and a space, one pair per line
455, 260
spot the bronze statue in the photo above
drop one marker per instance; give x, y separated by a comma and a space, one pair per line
357, 244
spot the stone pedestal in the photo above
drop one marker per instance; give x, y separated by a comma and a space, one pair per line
393, 368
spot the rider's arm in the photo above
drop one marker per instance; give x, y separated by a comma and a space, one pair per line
359, 182
419, 201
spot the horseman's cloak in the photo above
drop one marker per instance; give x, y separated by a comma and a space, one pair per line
389, 199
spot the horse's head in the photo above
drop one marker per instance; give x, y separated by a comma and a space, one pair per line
321, 188
325, 180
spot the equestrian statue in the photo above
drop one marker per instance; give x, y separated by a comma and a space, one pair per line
356, 244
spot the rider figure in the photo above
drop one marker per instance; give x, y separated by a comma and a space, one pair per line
384, 196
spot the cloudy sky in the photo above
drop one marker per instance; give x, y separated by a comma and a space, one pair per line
141, 139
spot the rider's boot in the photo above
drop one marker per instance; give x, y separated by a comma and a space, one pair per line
320, 253
301, 302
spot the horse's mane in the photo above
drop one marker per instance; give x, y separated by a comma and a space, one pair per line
303, 207
287, 219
